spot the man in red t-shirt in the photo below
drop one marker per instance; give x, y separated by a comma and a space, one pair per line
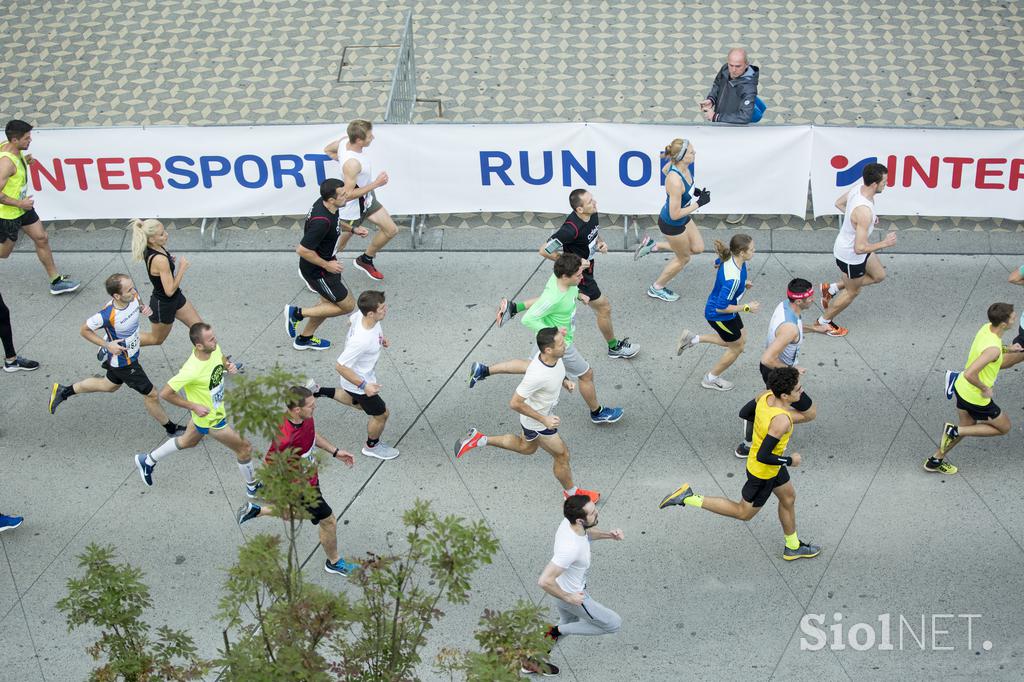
299, 436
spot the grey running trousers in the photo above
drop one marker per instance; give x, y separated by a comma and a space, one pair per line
590, 618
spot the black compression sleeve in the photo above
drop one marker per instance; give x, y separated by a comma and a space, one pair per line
764, 452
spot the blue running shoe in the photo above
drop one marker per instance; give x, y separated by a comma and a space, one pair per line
478, 372
9, 522
291, 320
312, 343
665, 294
145, 470
340, 567
247, 512
950, 380
607, 415
253, 491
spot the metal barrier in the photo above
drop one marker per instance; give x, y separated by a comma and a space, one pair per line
402, 103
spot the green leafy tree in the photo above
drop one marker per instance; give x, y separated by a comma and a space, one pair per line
112, 597
507, 640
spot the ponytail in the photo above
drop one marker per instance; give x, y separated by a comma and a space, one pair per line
739, 242
142, 230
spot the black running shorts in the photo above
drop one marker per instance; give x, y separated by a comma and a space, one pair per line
853, 270
756, 490
164, 309
133, 375
672, 230
588, 286
728, 330
319, 510
326, 284
979, 413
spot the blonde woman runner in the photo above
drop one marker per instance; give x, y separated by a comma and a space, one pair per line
149, 245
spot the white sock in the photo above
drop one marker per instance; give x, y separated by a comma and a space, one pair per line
572, 491
822, 320
483, 440
656, 287
170, 447
248, 470
695, 340
833, 288
712, 377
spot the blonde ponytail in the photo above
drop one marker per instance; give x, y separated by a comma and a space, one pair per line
142, 230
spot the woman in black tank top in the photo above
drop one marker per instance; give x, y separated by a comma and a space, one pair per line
149, 244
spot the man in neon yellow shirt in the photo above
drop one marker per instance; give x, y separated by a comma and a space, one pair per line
202, 380
979, 414
17, 208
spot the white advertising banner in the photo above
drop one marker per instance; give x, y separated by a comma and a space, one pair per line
974, 173
184, 172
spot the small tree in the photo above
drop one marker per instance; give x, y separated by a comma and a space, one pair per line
507, 639
112, 597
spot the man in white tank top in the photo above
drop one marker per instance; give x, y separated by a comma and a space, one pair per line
362, 205
855, 255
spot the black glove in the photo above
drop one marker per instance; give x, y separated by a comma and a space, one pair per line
703, 196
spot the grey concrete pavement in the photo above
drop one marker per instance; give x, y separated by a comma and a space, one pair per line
694, 589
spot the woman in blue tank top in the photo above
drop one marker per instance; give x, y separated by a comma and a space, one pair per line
682, 236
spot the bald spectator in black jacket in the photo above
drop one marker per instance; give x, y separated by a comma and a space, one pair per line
734, 93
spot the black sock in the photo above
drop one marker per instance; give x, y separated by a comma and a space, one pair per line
68, 392
170, 427
485, 371
594, 413
372, 442
325, 392
512, 309
298, 314
933, 462
366, 259
304, 339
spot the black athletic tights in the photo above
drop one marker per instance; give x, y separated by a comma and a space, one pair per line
5, 329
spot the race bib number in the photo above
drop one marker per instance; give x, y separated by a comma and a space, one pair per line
217, 396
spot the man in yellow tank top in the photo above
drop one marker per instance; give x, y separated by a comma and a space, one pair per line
17, 208
979, 414
766, 466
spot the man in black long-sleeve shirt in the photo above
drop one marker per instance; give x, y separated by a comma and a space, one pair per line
766, 466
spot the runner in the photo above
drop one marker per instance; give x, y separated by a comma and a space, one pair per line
556, 307
202, 380
781, 349
12, 361
683, 237
766, 466
855, 255
579, 235
17, 208
565, 578
297, 438
119, 320
167, 302
362, 203
722, 310
320, 268
979, 415
535, 399
358, 375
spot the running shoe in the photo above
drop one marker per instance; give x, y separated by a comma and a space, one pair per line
950, 435
381, 451
477, 373
804, 551
665, 294
645, 246
314, 343
312, 386
717, 384
685, 341
677, 497
742, 450
504, 313
950, 380
253, 491
473, 439
20, 364
63, 285
607, 415
942, 467
368, 267
592, 494
623, 349
340, 567
542, 668
835, 330
826, 297
101, 354
57, 396
247, 512
10, 522
145, 470
291, 320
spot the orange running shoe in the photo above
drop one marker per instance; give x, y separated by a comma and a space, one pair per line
835, 330
592, 494
825, 296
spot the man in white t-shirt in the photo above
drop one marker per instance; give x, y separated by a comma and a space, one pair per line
357, 369
535, 399
855, 255
565, 576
